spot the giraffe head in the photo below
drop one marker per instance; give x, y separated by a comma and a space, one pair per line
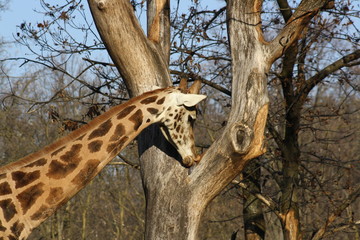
177, 124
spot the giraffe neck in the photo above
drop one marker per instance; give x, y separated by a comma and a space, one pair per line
32, 188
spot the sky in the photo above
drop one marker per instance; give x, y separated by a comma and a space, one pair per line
17, 12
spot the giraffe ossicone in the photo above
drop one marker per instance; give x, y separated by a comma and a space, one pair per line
32, 188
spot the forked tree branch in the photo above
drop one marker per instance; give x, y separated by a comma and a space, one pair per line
325, 72
294, 27
140, 62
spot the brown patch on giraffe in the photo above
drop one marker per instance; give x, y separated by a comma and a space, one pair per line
42, 213
148, 120
28, 197
71, 158
8, 209
87, 173
2, 176
72, 154
57, 151
17, 228
2, 229
24, 178
118, 145
80, 138
11, 237
5, 188
149, 100
101, 130
55, 195
153, 111
95, 146
59, 170
161, 101
178, 128
126, 111
175, 123
137, 119
119, 131
37, 163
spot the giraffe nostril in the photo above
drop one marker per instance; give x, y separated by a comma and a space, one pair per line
188, 161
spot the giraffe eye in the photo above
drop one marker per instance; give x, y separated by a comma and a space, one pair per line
192, 115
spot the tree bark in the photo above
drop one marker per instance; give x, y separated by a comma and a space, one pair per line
175, 197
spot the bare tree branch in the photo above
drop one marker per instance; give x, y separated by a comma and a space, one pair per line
325, 72
336, 213
294, 27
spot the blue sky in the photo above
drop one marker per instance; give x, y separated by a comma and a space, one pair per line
18, 11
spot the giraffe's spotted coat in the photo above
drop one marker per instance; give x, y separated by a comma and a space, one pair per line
153, 111
37, 163
3, 229
28, 197
71, 156
126, 112
95, 146
55, 195
87, 173
161, 101
5, 188
137, 119
119, 132
114, 147
101, 130
80, 138
24, 178
41, 182
149, 100
70, 160
42, 213
17, 228
58, 170
57, 151
8, 209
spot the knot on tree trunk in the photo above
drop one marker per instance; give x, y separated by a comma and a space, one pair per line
241, 136
101, 4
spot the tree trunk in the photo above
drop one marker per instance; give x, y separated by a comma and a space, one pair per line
175, 197
254, 220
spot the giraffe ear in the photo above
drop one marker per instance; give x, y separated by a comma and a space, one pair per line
189, 100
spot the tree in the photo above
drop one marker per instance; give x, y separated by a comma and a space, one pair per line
186, 196
175, 197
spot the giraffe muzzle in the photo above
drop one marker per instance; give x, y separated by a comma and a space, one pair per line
189, 160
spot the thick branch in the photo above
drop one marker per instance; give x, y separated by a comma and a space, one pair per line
139, 61
294, 27
158, 22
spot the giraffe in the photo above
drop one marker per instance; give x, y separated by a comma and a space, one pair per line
32, 188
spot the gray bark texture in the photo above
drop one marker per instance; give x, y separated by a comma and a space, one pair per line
175, 197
